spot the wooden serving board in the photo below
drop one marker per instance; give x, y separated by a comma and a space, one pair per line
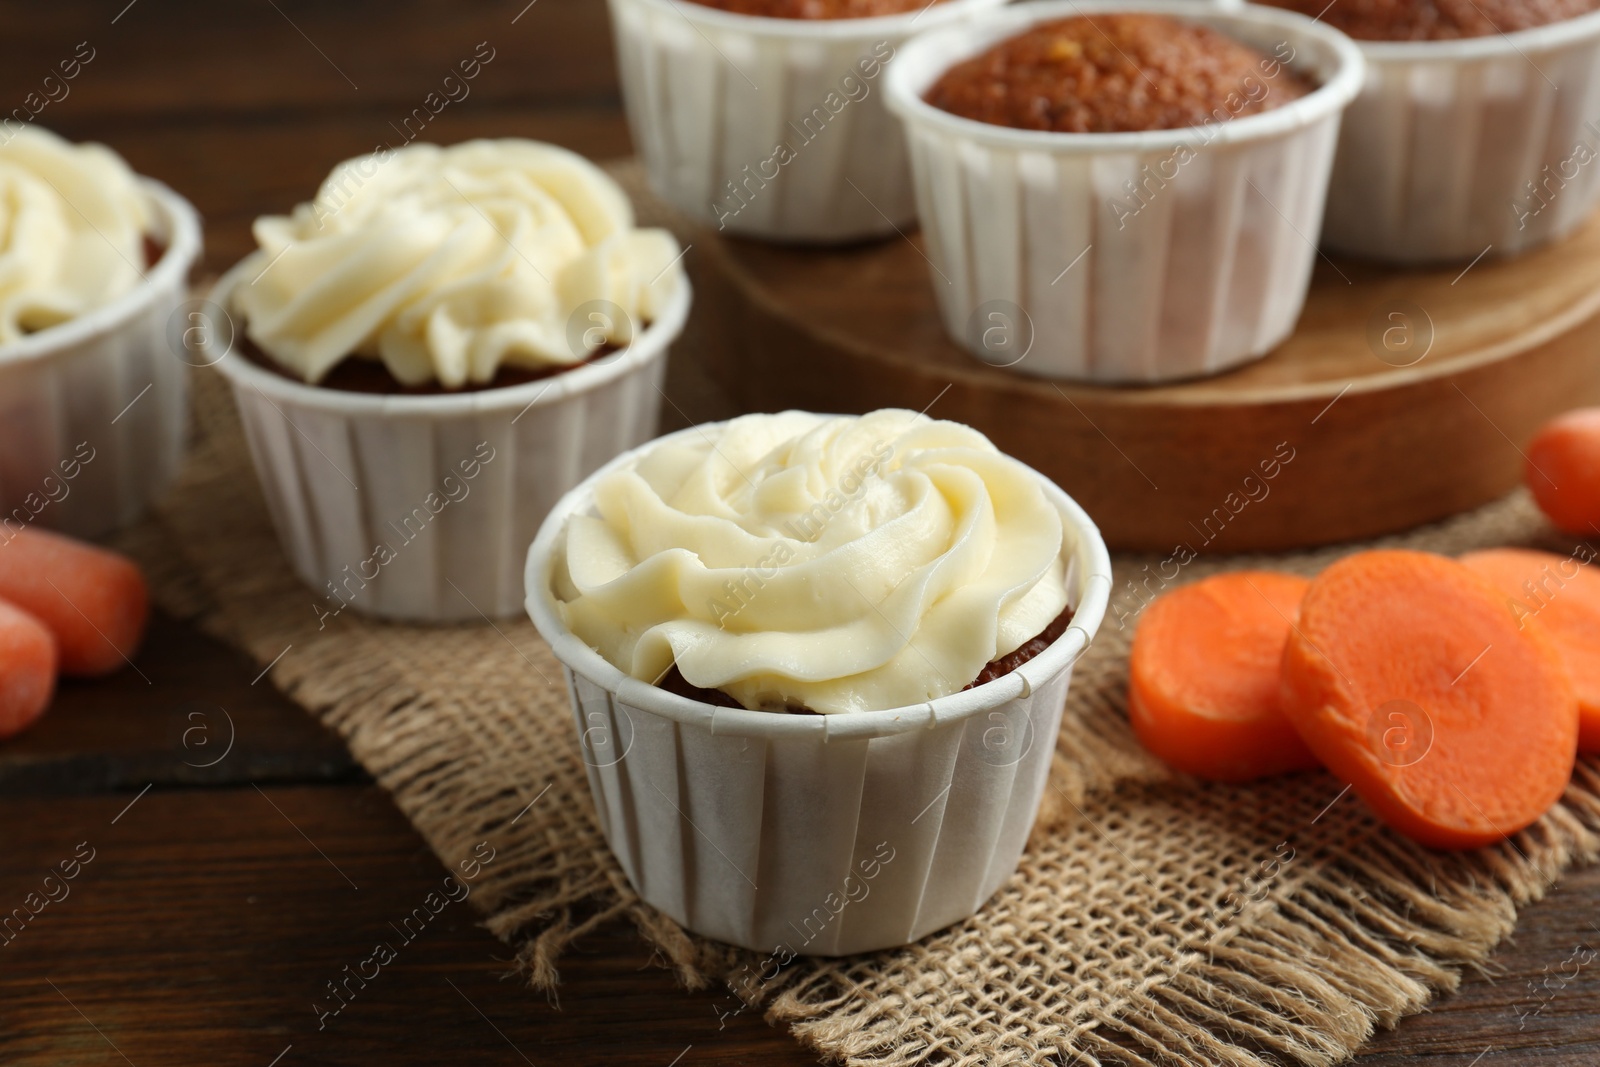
1386, 422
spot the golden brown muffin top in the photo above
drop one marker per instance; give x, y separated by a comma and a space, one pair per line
1115, 73
1436, 20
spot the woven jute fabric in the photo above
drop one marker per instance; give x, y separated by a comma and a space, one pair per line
1154, 919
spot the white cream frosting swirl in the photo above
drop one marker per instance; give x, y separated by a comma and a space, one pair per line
828, 562
446, 263
72, 225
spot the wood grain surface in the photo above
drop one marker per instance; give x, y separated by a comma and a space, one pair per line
223, 896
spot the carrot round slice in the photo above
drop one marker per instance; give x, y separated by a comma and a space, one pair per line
27, 669
1564, 594
1563, 471
1203, 677
1412, 679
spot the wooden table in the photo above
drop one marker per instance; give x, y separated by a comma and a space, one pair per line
229, 884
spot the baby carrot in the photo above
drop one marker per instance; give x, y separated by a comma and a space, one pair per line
1411, 678
1203, 677
1565, 597
27, 669
94, 601
1563, 471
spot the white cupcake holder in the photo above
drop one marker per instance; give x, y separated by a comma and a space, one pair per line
1437, 152
709, 93
475, 472
1043, 262
818, 835
93, 411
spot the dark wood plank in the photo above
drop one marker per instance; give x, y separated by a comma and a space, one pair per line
165, 62
194, 713
208, 923
206, 927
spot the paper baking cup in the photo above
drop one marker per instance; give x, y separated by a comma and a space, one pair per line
818, 835
93, 411
453, 486
1458, 148
1124, 257
710, 93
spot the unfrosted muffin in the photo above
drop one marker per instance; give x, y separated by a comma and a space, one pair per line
1113, 73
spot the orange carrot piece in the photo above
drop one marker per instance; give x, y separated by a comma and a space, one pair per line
1563, 471
1564, 595
27, 669
1412, 679
1203, 677
93, 600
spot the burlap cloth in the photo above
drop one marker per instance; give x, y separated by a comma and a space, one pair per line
1153, 919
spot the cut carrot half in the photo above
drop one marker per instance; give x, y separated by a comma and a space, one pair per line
27, 669
1564, 595
1412, 679
93, 600
1563, 471
1203, 677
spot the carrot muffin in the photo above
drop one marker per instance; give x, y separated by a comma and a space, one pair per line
1437, 20
1115, 74
817, 9
801, 562
485, 264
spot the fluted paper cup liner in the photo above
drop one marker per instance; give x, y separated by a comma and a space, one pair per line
422, 507
771, 127
1455, 149
1124, 257
93, 411
818, 834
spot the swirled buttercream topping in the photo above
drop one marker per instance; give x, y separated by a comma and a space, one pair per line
446, 263
72, 227
832, 563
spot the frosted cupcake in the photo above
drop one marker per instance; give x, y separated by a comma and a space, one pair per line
824, 639
431, 352
94, 261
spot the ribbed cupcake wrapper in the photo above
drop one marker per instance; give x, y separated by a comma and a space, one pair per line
1446, 158
1189, 277
370, 498
818, 834
767, 843
710, 94
93, 416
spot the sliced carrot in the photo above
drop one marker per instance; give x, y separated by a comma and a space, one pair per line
94, 601
1412, 679
1564, 595
1563, 471
27, 669
1203, 677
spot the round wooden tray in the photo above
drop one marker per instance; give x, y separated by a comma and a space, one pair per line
1404, 396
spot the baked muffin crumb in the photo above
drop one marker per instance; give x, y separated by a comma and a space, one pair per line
1116, 74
